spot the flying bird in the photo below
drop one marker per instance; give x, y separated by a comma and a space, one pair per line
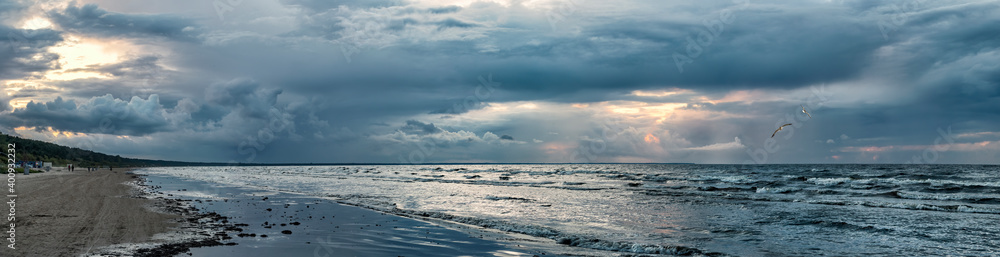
804, 111
779, 129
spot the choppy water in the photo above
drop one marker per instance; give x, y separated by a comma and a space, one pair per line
767, 210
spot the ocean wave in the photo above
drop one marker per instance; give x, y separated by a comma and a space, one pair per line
559, 237
828, 181
776, 190
940, 182
583, 241
977, 198
604, 192
740, 179
844, 225
909, 206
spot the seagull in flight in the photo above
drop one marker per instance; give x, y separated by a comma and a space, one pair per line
804, 111
779, 129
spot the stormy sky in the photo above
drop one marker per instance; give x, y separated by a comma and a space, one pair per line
420, 81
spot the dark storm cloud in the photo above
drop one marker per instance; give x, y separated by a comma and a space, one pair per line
446, 9
246, 95
758, 49
413, 126
91, 19
454, 23
11, 6
588, 66
19, 47
135, 118
140, 66
958, 62
93, 87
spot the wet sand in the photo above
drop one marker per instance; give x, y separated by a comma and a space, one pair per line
62, 213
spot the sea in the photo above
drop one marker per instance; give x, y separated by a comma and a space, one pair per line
644, 209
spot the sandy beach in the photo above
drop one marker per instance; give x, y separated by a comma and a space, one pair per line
62, 213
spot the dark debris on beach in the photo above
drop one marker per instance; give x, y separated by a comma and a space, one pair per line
213, 229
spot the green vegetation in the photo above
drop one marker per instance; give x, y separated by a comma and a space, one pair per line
34, 150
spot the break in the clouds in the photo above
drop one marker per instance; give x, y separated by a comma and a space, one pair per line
507, 81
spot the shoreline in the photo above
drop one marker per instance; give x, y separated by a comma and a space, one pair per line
106, 213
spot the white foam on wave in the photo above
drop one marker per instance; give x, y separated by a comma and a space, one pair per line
945, 197
910, 206
939, 182
828, 181
775, 190
729, 179
196, 194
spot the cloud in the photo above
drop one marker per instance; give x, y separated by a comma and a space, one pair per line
103, 115
91, 19
321, 5
443, 10
736, 144
414, 126
137, 66
23, 52
454, 23
358, 81
244, 96
11, 8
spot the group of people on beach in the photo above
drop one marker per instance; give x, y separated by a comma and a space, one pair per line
71, 167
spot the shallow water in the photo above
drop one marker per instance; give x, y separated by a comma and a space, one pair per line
767, 210
318, 227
